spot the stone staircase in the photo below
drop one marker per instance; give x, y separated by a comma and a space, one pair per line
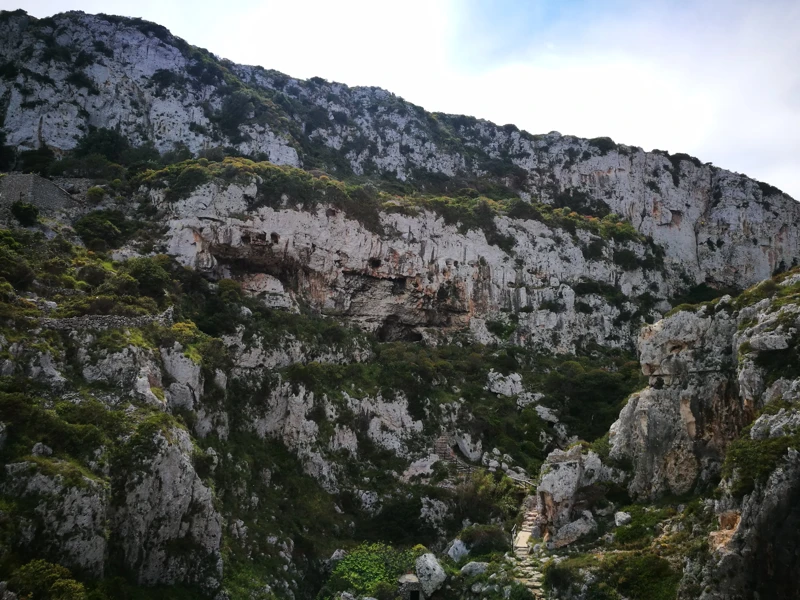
443, 448
527, 568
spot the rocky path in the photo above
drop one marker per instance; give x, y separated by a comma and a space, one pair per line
528, 571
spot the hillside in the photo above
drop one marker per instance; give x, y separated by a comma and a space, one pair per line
270, 338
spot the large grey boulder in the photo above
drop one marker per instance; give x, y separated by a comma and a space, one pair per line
457, 550
430, 573
474, 568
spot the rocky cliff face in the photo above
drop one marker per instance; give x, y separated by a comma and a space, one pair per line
183, 401
418, 276
75, 71
720, 412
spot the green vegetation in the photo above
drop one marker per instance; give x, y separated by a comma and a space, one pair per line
370, 570
105, 229
603, 144
484, 539
749, 462
41, 580
26, 214
637, 577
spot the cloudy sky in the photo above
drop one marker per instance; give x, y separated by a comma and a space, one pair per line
718, 79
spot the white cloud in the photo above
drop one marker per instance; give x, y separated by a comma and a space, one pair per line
717, 79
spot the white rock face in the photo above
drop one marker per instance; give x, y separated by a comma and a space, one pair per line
422, 275
621, 518
70, 520
56, 113
187, 387
473, 450
132, 369
510, 385
474, 568
563, 476
457, 550
430, 573
705, 386
572, 532
713, 224
166, 503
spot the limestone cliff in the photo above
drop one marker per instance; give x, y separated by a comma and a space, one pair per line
73, 71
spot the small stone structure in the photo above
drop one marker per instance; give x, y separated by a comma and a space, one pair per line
409, 588
42, 193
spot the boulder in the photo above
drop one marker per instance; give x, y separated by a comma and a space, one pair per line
474, 568
457, 550
622, 518
575, 530
430, 573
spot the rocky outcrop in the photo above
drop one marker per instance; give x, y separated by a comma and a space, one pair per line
137, 78
564, 494
754, 552
422, 275
68, 519
430, 573
166, 529
705, 386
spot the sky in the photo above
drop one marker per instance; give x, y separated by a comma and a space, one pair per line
717, 79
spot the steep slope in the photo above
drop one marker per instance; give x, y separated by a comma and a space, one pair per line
262, 338
710, 445
73, 71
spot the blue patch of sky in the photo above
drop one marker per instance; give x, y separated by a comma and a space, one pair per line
489, 33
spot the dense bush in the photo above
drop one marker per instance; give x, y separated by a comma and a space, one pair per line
36, 161
604, 144
150, 274
485, 539
104, 142
41, 580
749, 462
95, 194
368, 569
102, 229
25, 213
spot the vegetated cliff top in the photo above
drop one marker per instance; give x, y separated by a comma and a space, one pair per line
66, 73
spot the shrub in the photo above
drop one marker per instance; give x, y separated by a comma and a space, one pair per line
81, 80
101, 229
485, 539
27, 214
14, 268
42, 580
369, 569
37, 161
581, 203
749, 462
191, 178
95, 194
105, 142
150, 274
626, 259
604, 144
556, 306
235, 110
642, 577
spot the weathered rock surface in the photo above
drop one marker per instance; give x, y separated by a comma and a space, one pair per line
756, 555
68, 521
565, 477
430, 573
705, 386
166, 528
714, 225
